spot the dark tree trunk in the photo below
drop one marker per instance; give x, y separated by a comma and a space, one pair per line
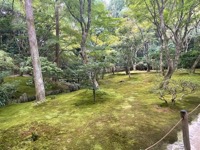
94, 95
57, 50
146, 49
113, 70
83, 47
38, 79
127, 70
103, 73
95, 84
148, 67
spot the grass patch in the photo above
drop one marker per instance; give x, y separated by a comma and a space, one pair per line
125, 116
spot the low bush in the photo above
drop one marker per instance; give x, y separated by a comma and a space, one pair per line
7, 91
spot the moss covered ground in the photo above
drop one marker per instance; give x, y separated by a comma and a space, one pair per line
126, 116
25, 84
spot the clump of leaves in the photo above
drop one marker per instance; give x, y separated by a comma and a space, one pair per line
7, 91
2, 75
6, 62
49, 69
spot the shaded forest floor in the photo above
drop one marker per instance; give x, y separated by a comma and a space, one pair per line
126, 116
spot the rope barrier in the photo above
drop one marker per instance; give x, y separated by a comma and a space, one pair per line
171, 130
194, 109
164, 136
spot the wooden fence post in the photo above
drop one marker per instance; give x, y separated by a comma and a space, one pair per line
185, 129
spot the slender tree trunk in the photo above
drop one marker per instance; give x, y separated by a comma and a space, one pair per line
57, 51
170, 70
84, 18
146, 48
113, 70
148, 67
129, 72
83, 47
103, 73
168, 74
95, 84
165, 48
177, 54
172, 64
126, 70
38, 79
132, 64
94, 95
161, 62
192, 70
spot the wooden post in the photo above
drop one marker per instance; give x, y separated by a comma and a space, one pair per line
185, 129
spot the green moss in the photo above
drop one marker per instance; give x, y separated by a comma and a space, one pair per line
126, 115
24, 85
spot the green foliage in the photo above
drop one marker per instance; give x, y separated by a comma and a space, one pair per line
12, 28
23, 85
2, 75
7, 91
49, 69
188, 58
6, 62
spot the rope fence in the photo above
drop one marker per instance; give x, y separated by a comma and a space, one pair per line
171, 129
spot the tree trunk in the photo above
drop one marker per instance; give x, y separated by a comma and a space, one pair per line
94, 95
103, 73
129, 73
127, 70
170, 70
113, 70
168, 74
146, 49
95, 85
57, 50
192, 70
148, 67
38, 79
161, 62
83, 47
134, 66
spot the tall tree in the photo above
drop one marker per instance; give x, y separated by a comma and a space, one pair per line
38, 79
174, 21
83, 17
57, 51
81, 12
